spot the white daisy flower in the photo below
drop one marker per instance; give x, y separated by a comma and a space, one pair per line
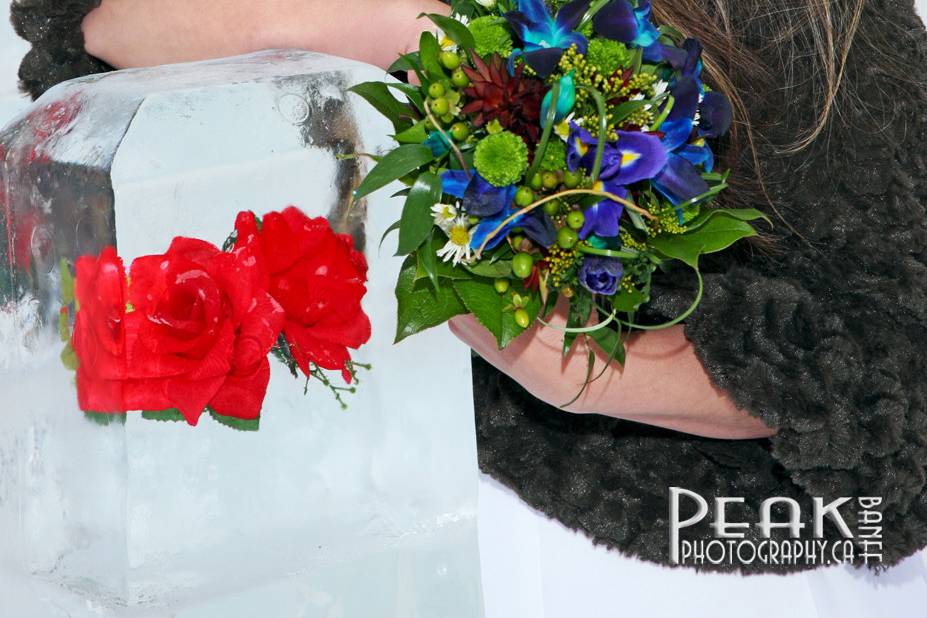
458, 242
636, 97
444, 215
660, 87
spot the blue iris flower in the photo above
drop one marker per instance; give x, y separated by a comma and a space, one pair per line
543, 37
619, 21
536, 225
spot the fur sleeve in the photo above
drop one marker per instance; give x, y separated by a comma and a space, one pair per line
53, 27
828, 342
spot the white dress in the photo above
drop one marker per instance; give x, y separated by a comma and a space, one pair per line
534, 567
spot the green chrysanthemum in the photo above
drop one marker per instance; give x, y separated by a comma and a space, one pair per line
554, 156
501, 158
607, 56
490, 37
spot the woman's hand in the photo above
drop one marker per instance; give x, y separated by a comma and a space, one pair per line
662, 382
134, 33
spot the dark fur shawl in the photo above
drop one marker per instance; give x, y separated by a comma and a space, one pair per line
826, 341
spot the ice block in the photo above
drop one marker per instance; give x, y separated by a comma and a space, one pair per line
322, 512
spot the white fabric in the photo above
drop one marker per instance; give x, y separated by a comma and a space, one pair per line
534, 567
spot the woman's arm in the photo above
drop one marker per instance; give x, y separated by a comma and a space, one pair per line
132, 33
662, 383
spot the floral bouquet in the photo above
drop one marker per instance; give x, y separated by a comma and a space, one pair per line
555, 149
190, 330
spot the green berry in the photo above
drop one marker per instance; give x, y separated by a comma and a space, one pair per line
550, 180
536, 182
473, 220
522, 264
522, 318
501, 285
517, 239
524, 196
436, 90
567, 238
460, 79
552, 207
571, 180
450, 60
460, 131
440, 106
576, 219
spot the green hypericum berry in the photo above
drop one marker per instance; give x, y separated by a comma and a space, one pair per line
552, 207
460, 131
536, 182
440, 106
501, 158
522, 264
571, 180
524, 196
450, 60
567, 238
501, 285
517, 239
550, 180
460, 79
522, 318
576, 219
436, 90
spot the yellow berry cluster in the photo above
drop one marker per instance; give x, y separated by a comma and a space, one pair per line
627, 240
560, 262
626, 283
667, 222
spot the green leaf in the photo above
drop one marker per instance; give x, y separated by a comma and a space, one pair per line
413, 93
379, 96
428, 51
408, 62
743, 214
493, 310
427, 260
67, 282
239, 424
623, 110
391, 228
577, 317
609, 341
173, 415
415, 134
501, 269
625, 301
716, 234
420, 306
454, 30
396, 164
104, 418
417, 220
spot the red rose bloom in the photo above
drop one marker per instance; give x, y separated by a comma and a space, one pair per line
319, 279
201, 328
99, 338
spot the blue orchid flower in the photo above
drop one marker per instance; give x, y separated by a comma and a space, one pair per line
545, 38
566, 99
536, 225
479, 197
619, 21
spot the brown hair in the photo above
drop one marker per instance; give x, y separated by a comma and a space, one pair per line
754, 46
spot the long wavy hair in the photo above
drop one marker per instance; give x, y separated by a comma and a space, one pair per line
767, 49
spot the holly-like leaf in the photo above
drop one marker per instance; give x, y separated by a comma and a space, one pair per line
393, 166
417, 220
428, 262
454, 30
239, 424
172, 415
715, 234
379, 96
420, 306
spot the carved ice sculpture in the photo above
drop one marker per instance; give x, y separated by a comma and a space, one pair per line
323, 512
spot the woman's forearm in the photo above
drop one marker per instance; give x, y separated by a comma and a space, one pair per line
132, 33
662, 382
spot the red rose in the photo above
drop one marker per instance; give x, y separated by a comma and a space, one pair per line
99, 339
319, 279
